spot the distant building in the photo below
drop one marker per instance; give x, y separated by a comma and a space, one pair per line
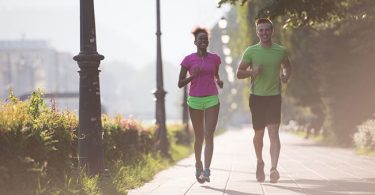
26, 65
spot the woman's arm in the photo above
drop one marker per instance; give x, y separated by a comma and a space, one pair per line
182, 80
219, 82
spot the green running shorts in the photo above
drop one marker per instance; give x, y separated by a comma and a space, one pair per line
202, 103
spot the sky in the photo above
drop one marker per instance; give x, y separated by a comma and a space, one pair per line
125, 32
125, 29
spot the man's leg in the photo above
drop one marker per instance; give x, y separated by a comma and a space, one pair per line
273, 116
275, 146
258, 146
258, 118
273, 132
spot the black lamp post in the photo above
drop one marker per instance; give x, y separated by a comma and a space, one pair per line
162, 142
185, 112
90, 133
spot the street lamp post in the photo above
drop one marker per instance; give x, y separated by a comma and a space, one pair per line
90, 133
10, 75
162, 142
185, 112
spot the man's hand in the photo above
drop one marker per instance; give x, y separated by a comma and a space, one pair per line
286, 70
257, 70
284, 78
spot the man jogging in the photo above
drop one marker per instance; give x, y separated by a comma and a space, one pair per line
267, 65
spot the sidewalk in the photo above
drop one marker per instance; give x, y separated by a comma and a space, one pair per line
305, 168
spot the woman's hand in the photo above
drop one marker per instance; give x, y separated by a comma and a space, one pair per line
220, 83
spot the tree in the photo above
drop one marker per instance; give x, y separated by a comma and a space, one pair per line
331, 52
316, 13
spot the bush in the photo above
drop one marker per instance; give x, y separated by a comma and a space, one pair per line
36, 143
38, 150
364, 139
125, 139
178, 135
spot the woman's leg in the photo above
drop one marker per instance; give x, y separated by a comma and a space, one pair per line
196, 117
211, 116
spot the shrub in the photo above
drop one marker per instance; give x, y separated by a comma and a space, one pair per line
125, 139
36, 143
178, 135
38, 150
364, 139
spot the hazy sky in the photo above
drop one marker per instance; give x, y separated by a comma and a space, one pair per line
125, 29
125, 32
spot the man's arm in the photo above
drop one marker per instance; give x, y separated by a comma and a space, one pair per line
287, 70
243, 72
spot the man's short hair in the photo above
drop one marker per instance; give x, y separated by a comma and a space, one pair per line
263, 21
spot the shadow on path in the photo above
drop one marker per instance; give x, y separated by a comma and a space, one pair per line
331, 187
216, 169
229, 192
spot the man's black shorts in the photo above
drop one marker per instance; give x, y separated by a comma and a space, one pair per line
265, 110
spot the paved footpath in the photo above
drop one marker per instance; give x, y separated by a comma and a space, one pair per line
305, 168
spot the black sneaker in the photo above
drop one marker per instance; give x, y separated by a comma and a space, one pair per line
274, 175
206, 175
199, 172
260, 172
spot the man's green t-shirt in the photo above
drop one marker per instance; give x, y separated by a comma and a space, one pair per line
268, 82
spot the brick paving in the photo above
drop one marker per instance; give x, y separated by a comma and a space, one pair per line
305, 168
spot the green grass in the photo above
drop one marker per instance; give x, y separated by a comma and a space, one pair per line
317, 138
91, 185
130, 176
179, 152
321, 140
122, 176
366, 152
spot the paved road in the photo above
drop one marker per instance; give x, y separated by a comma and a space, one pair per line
305, 168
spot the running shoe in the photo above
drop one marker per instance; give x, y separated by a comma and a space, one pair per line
199, 172
274, 175
206, 174
260, 172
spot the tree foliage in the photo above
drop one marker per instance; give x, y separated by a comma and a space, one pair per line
331, 52
312, 12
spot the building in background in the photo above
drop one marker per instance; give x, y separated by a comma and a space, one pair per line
26, 65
